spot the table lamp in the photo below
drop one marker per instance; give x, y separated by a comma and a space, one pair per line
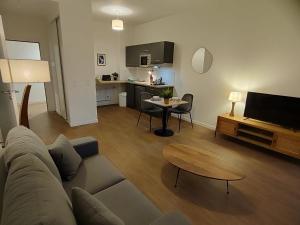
234, 97
24, 71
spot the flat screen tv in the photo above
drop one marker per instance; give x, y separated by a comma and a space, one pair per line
281, 110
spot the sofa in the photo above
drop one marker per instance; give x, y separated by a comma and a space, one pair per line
32, 191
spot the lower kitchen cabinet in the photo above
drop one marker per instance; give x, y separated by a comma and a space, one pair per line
130, 89
134, 93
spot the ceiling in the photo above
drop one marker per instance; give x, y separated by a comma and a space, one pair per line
141, 10
41, 8
132, 11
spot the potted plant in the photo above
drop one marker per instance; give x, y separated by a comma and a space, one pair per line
115, 76
167, 94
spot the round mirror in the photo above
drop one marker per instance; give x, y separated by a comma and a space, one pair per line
202, 60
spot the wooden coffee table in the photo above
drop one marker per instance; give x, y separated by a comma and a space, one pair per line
200, 162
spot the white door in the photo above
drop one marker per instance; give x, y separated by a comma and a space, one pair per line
8, 103
56, 68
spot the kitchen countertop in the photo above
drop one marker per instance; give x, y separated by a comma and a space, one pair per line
147, 84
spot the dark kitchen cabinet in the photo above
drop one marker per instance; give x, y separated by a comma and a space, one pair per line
138, 90
134, 93
132, 56
161, 52
156, 91
130, 98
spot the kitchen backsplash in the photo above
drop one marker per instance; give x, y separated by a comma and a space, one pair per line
141, 74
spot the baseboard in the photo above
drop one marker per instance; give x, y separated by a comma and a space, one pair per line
82, 123
202, 124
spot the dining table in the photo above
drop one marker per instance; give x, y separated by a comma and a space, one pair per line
165, 131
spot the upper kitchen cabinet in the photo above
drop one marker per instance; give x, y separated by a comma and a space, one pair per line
157, 53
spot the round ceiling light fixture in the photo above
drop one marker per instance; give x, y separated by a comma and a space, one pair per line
117, 24
116, 10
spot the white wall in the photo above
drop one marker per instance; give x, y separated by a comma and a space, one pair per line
78, 61
255, 45
112, 43
32, 29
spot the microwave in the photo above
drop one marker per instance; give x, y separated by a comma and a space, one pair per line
145, 60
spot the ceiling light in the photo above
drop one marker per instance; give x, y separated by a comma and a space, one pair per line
117, 24
116, 10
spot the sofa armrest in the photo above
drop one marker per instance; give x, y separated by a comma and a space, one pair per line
85, 146
173, 218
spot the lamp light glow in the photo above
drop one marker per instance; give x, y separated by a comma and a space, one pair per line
235, 96
117, 24
24, 71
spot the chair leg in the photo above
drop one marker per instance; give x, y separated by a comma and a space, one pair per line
179, 122
150, 123
191, 120
139, 118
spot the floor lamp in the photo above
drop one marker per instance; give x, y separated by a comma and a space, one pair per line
24, 71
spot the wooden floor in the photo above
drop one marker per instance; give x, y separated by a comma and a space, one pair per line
269, 195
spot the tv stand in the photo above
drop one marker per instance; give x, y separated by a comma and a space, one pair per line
266, 135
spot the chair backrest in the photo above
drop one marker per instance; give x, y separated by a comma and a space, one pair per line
187, 107
145, 105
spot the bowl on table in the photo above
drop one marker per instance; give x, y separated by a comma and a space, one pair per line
155, 98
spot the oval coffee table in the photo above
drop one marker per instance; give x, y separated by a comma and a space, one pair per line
200, 162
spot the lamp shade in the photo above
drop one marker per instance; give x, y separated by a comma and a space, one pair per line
24, 71
117, 24
235, 96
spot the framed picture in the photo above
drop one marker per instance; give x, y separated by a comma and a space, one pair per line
101, 59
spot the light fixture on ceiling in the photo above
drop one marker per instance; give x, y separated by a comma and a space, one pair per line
117, 24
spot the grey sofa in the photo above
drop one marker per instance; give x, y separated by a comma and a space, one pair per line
32, 192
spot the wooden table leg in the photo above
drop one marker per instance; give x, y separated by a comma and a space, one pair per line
177, 176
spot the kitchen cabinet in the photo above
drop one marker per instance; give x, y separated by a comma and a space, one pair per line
130, 98
132, 56
134, 93
138, 90
161, 53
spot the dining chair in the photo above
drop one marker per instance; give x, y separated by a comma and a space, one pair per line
184, 109
148, 108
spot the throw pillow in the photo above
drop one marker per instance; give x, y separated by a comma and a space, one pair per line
90, 211
70, 158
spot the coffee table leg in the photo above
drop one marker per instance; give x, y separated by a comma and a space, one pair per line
177, 177
227, 187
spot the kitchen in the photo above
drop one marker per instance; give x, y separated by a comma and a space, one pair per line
152, 64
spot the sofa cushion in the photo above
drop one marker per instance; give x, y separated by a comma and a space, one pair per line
85, 146
70, 158
21, 141
128, 203
94, 174
34, 196
90, 211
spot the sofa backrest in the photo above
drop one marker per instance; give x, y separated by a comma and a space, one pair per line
34, 196
21, 141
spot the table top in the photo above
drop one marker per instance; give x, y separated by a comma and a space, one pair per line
161, 102
201, 162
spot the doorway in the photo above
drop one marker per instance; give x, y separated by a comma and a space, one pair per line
37, 99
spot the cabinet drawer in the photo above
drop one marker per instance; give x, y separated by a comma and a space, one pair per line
227, 127
287, 144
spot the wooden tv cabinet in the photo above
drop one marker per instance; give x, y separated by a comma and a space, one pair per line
260, 133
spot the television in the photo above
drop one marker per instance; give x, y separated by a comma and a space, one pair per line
280, 110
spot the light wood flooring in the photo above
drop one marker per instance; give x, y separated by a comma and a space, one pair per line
269, 195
